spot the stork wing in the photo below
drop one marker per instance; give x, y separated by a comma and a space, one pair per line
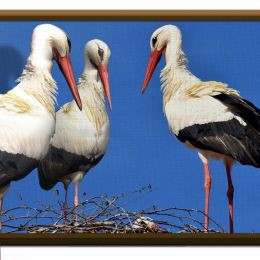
59, 163
10, 102
14, 167
241, 107
230, 98
210, 88
231, 138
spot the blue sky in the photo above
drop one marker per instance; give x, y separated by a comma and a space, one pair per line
142, 150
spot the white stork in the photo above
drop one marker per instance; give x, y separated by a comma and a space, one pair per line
81, 138
206, 116
27, 112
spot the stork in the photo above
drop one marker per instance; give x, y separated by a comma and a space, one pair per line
207, 116
27, 112
81, 138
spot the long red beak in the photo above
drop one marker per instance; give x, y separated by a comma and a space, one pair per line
153, 61
67, 71
103, 73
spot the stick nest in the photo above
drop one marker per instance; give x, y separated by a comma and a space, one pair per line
103, 215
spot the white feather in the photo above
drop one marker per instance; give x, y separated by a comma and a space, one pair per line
26, 133
77, 134
182, 113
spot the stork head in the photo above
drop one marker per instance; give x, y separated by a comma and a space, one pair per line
50, 42
99, 53
158, 42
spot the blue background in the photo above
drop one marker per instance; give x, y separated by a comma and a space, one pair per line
141, 149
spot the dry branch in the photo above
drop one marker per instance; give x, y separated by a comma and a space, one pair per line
101, 214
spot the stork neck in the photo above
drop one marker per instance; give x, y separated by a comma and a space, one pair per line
39, 84
175, 72
92, 96
91, 90
174, 55
41, 53
90, 84
90, 71
175, 76
41, 58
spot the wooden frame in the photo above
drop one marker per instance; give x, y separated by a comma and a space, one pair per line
141, 15
130, 239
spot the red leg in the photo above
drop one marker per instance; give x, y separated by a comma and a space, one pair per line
65, 204
76, 201
207, 186
230, 195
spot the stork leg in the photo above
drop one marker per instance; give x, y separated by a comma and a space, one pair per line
65, 204
207, 185
76, 201
230, 195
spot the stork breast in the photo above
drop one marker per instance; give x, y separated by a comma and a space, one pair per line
26, 134
76, 134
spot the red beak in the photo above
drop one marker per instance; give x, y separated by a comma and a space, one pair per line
103, 73
153, 61
67, 71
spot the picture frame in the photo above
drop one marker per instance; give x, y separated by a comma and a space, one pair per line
129, 239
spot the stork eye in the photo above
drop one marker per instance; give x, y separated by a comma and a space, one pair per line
101, 53
154, 40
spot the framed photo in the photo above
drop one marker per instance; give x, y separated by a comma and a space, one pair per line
178, 165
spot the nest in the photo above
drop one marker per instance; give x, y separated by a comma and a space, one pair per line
103, 215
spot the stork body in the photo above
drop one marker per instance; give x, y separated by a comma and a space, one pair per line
206, 116
81, 138
27, 112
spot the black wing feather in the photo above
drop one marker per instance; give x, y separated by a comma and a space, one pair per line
14, 167
241, 107
230, 138
59, 163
